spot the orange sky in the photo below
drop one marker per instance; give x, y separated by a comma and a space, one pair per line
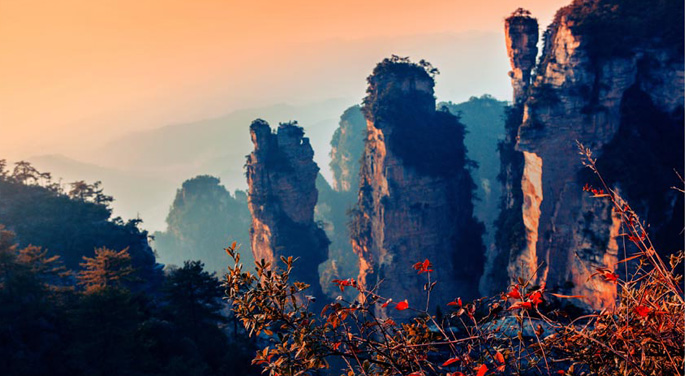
100, 68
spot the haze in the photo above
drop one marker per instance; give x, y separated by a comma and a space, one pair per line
80, 76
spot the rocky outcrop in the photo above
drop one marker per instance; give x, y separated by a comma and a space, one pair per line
610, 77
415, 192
281, 176
521, 37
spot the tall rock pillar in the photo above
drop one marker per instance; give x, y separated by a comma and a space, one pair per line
415, 195
521, 33
510, 254
281, 176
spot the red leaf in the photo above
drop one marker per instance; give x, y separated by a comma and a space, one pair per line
450, 361
535, 298
608, 274
386, 303
514, 293
423, 267
401, 306
499, 357
336, 346
642, 311
455, 303
521, 305
481, 371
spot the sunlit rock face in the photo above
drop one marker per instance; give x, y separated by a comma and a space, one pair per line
622, 96
415, 194
281, 176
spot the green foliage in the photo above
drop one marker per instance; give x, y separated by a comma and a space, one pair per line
194, 296
614, 28
384, 96
104, 322
400, 96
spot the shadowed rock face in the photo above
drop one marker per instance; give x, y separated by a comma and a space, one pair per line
415, 193
625, 104
281, 176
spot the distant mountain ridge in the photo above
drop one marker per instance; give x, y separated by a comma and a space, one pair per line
144, 169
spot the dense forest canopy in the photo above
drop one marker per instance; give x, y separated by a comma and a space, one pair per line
87, 297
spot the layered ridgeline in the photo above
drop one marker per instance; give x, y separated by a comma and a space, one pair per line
282, 194
611, 77
347, 147
70, 221
415, 195
204, 219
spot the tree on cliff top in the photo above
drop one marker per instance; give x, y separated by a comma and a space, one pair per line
400, 98
381, 93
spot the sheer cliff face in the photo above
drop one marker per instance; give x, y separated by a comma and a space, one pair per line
587, 92
281, 176
415, 192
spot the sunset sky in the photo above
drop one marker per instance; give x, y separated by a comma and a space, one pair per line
77, 72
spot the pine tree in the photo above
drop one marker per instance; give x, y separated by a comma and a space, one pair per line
108, 269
